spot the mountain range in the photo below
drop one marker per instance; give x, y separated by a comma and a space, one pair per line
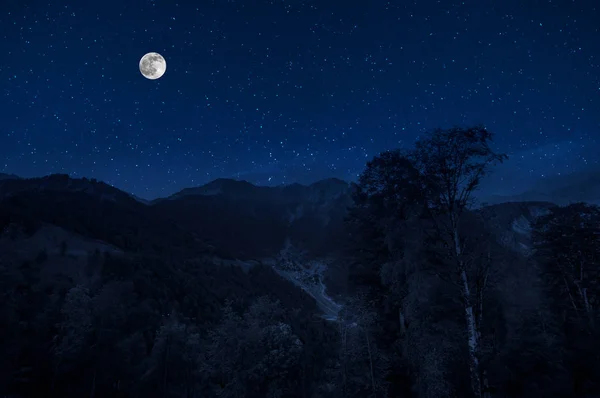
562, 190
297, 230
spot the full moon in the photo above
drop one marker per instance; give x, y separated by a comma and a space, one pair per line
153, 66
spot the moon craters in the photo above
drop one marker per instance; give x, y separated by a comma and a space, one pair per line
153, 65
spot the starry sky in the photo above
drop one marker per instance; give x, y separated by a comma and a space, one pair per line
283, 91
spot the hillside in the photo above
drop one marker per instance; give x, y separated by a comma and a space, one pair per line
223, 222
268, 265
249, 222
62, 238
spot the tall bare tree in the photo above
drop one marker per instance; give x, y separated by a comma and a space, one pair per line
451, 164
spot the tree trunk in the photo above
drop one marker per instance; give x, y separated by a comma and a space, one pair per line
586, 303
570, 295
472, 336
165, 364
480, 313
371, 365
93, 390
471, 321
345, 358
481, 285
486, 386
402, 321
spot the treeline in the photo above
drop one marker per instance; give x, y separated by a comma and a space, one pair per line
439, 306
154, 327
459, 311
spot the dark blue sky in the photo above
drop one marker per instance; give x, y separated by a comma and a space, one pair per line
288, 91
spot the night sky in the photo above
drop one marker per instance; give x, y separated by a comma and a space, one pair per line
287, 91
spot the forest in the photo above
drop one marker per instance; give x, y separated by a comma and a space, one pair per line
438, 302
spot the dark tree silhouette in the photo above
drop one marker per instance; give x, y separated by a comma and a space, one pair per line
437, 178
568, 240
451, 164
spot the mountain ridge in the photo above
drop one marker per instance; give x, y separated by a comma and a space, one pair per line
583, 186
225, 221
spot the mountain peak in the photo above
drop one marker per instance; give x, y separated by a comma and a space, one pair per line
244, 189
220, 186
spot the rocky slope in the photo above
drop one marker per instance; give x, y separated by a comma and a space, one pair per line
511, 222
